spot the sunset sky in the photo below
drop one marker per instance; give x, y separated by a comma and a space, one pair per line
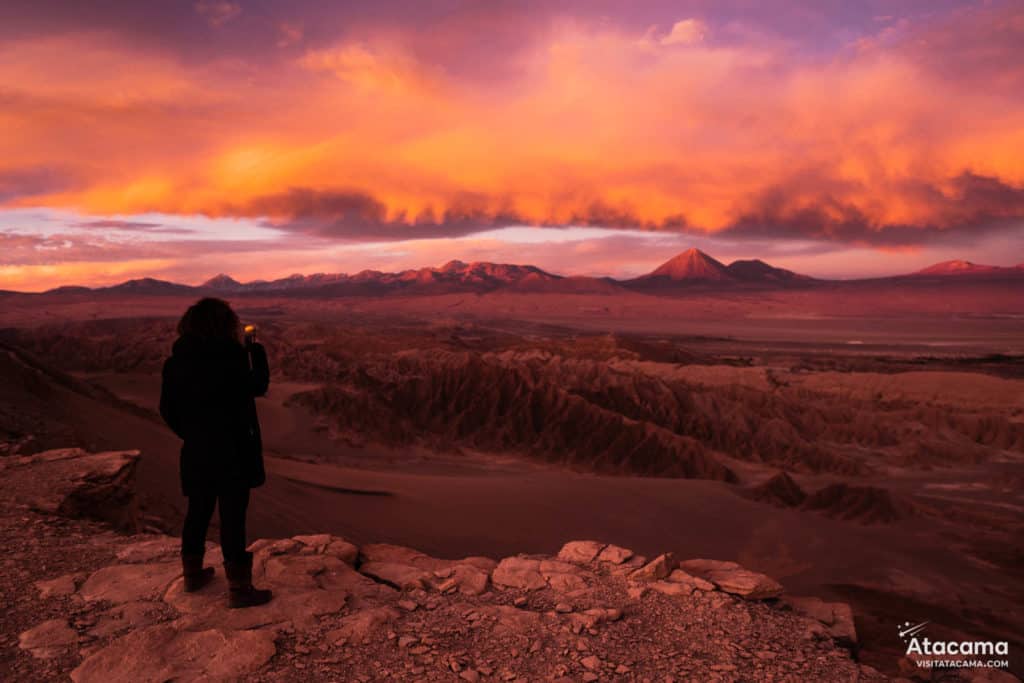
180, 139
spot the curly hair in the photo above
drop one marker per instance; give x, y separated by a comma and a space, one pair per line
211, 319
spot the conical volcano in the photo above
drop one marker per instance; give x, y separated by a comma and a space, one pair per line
692, 264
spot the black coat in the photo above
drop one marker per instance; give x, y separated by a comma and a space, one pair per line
207, 399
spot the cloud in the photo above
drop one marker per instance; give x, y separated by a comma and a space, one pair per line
31, 181
19, 247
379, 133
372, 68
137, 226
685, 32
356, 215
289, 34
964, 208
218, 12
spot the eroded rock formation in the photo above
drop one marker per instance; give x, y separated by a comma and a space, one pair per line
77, 484
842, 501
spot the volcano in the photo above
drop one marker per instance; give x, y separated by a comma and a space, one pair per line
692, 264
694, 267
756, 270
960, 267
222, 283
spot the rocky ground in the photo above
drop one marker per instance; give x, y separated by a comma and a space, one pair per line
85, 600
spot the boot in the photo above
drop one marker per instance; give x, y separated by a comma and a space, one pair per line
240, 589
196, 575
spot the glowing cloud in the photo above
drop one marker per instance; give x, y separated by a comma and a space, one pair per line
361, 129
685, 32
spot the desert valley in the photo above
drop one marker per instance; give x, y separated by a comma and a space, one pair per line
858, 441
498, 342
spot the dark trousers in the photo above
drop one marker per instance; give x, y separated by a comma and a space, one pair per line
233, 505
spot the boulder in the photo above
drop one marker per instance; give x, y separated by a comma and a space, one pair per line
732, 578
401, 576
71, 482
121, 583
396, 554
563, 576
655, 570
614, 554
518, 572
627, 567
580, 551
49, 639
62, 585
405, 568
837, 617
167, 652
746, 584
343, 550
468, 579
680, 576
316, 543
843, 629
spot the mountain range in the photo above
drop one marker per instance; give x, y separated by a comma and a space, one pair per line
691, 269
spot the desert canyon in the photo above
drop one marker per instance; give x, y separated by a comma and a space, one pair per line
712, 472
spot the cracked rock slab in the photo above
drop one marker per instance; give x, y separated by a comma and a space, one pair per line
746, 584
732, 578
49, 639
298, 604
580, 551
128, 616
615, 554
519, 572
121, 583
401, 576
681, 576
62, 585
657, 569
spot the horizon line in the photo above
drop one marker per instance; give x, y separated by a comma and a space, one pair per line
200, 284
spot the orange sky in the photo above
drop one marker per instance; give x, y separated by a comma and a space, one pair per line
902, 135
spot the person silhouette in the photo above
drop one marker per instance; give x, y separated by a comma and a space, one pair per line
207, 399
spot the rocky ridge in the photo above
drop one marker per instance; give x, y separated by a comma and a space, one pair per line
862, 504
630, 417
98, 605
610, 405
